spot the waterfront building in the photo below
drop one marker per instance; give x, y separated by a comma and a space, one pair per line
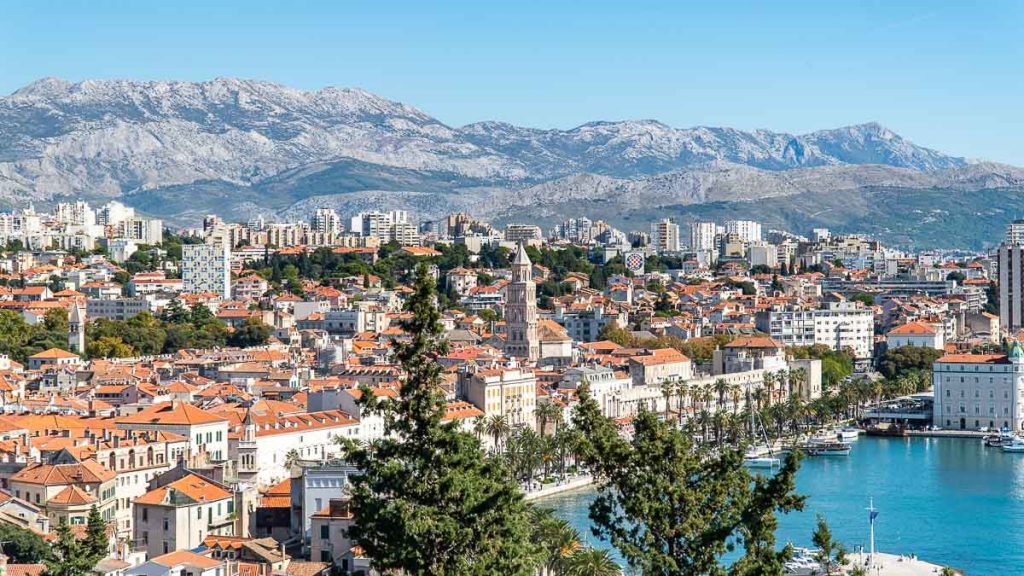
507, 392
973, 391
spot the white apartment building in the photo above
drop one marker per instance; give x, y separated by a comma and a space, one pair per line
326, 220
763, 254
702, 236
979, 390
747, 230
207, 268
665, 236
525, 233
838, 325
312, 434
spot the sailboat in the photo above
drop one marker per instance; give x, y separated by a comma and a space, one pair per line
760, 456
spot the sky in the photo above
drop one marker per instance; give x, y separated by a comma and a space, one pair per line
947, 75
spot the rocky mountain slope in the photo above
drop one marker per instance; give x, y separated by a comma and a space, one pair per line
178, 149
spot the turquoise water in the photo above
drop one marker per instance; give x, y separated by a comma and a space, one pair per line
950, 501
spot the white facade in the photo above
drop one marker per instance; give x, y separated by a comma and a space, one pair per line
326, 220
702, 236
747, 230
838, 325
207, 268
665, 236
979, 390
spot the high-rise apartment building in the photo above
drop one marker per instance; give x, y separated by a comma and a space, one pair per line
747, 230
326, 220
207, 268
702, 236
665, 236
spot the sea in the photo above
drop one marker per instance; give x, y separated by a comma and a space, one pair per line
950, 501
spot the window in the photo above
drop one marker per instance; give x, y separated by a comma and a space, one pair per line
325, 532
199, 512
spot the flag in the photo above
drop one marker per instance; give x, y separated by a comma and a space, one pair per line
873, 514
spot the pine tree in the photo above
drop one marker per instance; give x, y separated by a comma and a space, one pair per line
674, 507
428, 501
96, 541
70, 557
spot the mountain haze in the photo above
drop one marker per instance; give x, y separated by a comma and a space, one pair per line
239, 147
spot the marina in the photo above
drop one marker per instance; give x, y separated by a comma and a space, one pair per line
939, 500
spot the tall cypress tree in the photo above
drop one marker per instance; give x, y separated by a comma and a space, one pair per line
70, 557
96, 541
428, 501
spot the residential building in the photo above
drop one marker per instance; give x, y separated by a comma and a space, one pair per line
665, 236
507, 392
180, 510
207, 268
973, 391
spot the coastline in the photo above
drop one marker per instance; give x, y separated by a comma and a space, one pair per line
577, 483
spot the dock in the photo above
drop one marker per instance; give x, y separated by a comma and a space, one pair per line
893, 565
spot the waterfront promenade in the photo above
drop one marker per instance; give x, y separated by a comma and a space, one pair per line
570, 485
893, 565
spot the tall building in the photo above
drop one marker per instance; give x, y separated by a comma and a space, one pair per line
76, 329
206, 268
1011, 286
665, 236
838, 325
1015, 232
521, 339
702, 236
522, 233
326, 220
747, 230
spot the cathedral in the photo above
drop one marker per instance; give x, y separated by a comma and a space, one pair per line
521, 340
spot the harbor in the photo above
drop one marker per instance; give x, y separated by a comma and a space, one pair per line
939, 501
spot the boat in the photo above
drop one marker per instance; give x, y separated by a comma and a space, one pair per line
817, 447
886, 429
803, 563
762, 462
848, 434
1004, 438
1015, 446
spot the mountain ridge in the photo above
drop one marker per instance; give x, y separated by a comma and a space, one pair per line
257, 146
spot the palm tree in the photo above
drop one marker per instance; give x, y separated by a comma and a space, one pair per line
546, 411
721, 387
667, 389
769, 385
735, 392
480, 428
498, 428
557, 538
591, 562
291, 458
683, 392
798, 379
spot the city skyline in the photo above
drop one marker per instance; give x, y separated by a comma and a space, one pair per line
789, 68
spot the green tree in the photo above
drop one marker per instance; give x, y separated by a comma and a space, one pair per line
428, 500
70, 557
828, 548
253, 333
591, 562
675, 507
108, 347
23, 546
896, 362
96, 542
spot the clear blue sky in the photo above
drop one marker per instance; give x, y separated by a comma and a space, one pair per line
948, 75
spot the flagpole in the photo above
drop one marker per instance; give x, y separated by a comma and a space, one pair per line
871, 520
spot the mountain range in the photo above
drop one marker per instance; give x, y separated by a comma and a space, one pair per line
178, 150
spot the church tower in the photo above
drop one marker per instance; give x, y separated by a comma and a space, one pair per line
521, 339
248, 468
76, 329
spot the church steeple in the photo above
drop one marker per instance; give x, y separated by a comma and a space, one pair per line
521, 339
76, 329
